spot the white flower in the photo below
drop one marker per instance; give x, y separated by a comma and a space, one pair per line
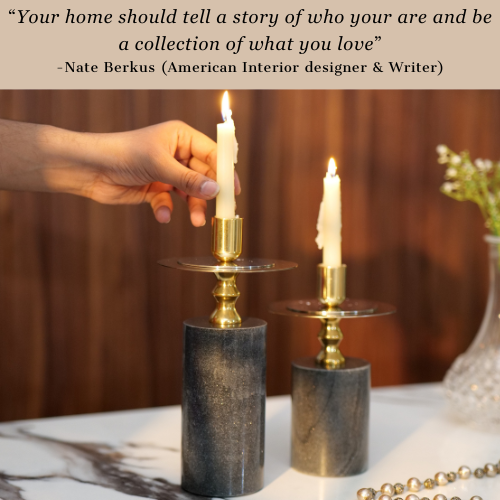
443, 154
483, 165
451, 173
448, 187
455, 160
479, 164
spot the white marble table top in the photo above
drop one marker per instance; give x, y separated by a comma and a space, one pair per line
136, 454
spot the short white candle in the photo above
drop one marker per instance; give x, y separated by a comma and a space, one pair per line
226, 156
329, 220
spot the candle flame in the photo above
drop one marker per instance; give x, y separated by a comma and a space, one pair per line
226, 110
332, 167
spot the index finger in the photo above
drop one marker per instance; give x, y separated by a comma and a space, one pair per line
199, 151
193, 143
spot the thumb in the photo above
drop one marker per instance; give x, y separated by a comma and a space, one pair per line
189, 181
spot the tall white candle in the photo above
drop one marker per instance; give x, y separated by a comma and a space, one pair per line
329, 220
226, 157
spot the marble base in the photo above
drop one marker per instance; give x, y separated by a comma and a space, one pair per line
223, 408
330, 414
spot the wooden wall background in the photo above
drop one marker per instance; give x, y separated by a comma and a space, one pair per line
89, 322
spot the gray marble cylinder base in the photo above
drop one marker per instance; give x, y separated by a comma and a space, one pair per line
330, 411
223, 408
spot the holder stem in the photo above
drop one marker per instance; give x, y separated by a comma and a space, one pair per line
227, 237
330, 336
331, 293
226, 294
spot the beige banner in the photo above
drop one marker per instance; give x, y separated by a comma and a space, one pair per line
51, 44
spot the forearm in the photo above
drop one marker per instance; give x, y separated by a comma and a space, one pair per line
139, 166
45, 158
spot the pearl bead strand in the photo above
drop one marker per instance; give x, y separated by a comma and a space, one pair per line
388, 490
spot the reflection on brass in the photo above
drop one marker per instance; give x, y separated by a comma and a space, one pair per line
330, 337
210, 264
331, 293
227, 237
331, 285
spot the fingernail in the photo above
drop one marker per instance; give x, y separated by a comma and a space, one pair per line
209, 188
163, 215
198, 218
237, 185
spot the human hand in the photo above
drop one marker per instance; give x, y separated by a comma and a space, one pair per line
139, 166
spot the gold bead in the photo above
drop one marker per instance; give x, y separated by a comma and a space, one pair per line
414, 484
464, 472
411, 496
455, 498
365, 494
479, 473
476, 497
384, 497
441, 478
387, 489
429, 483
490, 470
439, 496
452, 476
399, 488
424, 498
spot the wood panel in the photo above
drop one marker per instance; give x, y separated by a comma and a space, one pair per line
89, 322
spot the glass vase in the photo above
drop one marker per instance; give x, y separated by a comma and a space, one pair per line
473, 382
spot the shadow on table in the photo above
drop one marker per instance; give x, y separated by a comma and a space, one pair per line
392, 422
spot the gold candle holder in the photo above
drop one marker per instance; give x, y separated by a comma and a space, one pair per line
227, 241
328, 450
331, 293
330, 306
226, 264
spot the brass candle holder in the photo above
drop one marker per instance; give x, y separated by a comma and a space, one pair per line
331, 293
227, 241
331, 306
224, 375
226, 264
330, 393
